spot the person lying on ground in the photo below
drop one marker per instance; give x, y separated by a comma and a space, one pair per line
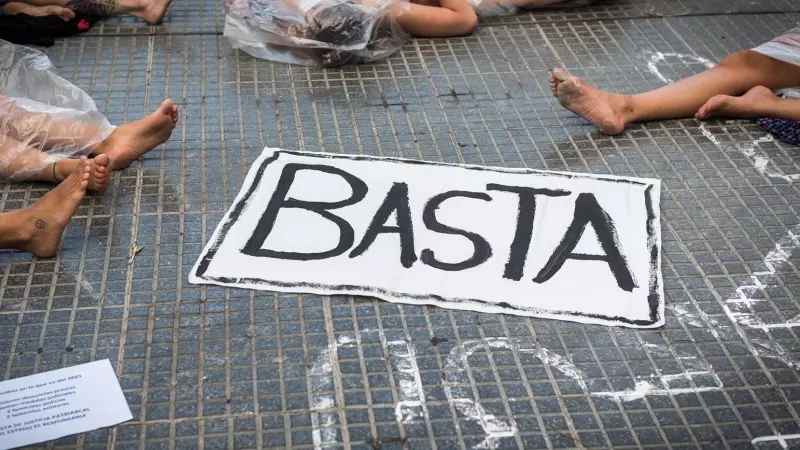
341, 22
741, 85
151, 11
37, 229
338, 32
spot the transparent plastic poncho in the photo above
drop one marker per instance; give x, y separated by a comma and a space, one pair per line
43, 117
492, 8
324, 33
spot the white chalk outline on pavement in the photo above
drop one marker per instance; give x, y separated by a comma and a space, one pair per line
645, 387
739, 307
494, 428
779, 438
760, 161
657, 57
402, 356
322, 415
742, 298
412, 394
742, 302
409, 386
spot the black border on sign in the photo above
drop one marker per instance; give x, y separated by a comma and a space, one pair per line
654, 298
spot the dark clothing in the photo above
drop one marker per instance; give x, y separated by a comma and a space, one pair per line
30, 30
786, 130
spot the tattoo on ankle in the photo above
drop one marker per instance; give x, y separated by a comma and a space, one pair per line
93, 7
40, 223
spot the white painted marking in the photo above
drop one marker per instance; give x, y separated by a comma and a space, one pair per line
658, 57
457, 362
685, 312
663, 385
403, 357
780, 439
454, 384
791, 323
773, 349
323, 415
642, 388
739, 308
87, 287
561, 364
412, 404
761, 162
410, 407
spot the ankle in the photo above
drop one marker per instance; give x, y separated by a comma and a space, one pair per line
17, 229
62, 168
771, 101
101, 148
627, 108
770, 106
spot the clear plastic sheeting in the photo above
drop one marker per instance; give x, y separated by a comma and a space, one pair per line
325, 33
43, 117
492, 8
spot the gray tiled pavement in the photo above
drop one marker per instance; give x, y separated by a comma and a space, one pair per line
212, 368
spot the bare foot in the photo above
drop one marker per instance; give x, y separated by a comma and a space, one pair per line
152, 11
603, 109
44, 221
99, 171
132, 140
752, 104
12, 8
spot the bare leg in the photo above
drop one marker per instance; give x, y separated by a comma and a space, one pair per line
130, 141
152, 11
43, 131
20, 163
757, 102
611, 113
126, 143
38, 228
452, 18
12, 8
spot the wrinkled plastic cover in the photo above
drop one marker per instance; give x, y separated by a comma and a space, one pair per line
315, 32
43, 117
491, 8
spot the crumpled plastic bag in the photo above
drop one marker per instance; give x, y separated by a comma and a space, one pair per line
493, 8
326, 33
43, 117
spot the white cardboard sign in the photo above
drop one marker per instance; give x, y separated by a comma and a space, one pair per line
50, 405
567, 246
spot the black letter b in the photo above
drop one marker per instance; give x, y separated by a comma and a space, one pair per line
279, 201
